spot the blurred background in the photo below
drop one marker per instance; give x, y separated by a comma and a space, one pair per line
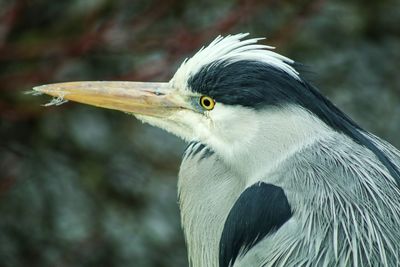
81, 186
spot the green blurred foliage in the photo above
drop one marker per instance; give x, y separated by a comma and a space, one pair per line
80, 186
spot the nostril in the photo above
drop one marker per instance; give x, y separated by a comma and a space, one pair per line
158, 93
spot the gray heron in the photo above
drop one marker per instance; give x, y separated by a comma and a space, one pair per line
274, 173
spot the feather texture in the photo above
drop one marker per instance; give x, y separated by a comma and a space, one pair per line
345, 206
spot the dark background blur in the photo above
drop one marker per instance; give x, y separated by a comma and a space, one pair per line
81, 186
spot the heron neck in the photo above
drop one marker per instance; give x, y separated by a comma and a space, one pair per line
275, 135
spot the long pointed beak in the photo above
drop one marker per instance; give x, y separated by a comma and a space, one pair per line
154, 99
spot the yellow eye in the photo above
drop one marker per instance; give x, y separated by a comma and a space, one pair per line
207, 102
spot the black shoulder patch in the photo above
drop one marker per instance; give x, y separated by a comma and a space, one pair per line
261, 209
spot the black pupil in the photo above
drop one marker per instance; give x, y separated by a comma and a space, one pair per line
206, 102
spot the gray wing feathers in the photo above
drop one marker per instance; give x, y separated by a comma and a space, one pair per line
349, 209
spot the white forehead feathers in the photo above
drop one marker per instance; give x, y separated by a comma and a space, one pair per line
231, 49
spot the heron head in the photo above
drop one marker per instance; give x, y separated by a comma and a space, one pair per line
224, 96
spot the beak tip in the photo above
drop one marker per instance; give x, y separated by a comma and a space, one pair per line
41, 89
49, 90
34, 91
37, 89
